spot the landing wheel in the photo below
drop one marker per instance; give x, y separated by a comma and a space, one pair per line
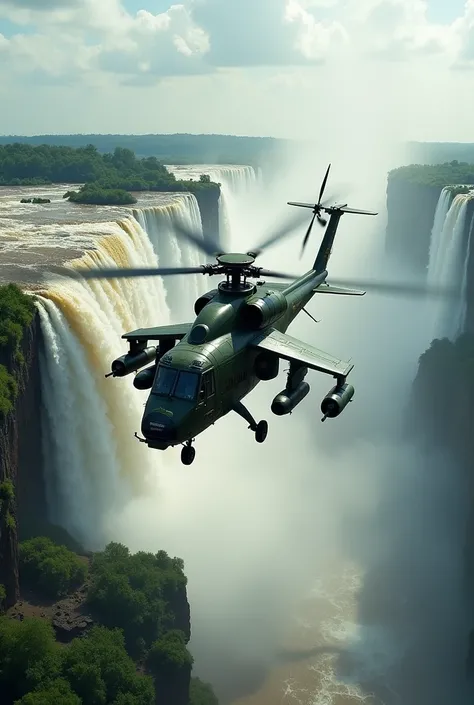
188, 453
261, 431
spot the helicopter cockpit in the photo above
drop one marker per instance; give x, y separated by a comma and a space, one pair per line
178, 384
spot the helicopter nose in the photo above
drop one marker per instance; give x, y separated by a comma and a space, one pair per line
158, 427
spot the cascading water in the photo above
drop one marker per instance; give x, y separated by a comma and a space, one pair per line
91, 455
158, 223
238, 185
450, 240
89, 449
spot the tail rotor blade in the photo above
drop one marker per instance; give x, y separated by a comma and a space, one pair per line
308, 233
323, 185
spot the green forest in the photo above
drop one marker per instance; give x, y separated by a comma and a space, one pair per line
436, 175
133, 649
169, 149
107, 178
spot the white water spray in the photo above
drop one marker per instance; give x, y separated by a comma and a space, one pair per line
450, 240
237, 189
159, 225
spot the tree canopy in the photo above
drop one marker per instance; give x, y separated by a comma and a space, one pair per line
53, 570
170, 149
24, 164
436, 175
135, 592
136, 600
93, 670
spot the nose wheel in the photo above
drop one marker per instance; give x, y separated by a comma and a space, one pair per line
188, 453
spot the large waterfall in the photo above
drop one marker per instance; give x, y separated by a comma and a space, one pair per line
237, 186
90, 451
318, 519
448, 258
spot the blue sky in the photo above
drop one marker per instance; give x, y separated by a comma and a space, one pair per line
444, 10
438, 11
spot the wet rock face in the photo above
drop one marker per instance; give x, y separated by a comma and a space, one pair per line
20, 422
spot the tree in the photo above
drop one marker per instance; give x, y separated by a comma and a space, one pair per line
100, 670
201, 693
57, 692
52, 569
169, 655
29, 655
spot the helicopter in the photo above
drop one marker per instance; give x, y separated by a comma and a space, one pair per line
202, 370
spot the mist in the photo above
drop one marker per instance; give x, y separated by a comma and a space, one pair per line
257, 524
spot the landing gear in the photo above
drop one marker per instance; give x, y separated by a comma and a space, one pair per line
188, 453
260, 429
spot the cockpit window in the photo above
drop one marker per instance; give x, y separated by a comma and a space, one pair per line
176, 383
165, 381
186, 386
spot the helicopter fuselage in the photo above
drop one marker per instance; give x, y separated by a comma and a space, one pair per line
206, 374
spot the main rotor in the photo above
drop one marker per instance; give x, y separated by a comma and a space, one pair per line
239, 267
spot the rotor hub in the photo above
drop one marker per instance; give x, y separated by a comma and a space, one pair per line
235, 260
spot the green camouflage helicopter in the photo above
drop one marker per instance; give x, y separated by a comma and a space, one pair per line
201, 370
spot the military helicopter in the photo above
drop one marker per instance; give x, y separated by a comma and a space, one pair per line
202, 370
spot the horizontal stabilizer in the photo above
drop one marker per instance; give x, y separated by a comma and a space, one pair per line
177, 331
357, 211
295, 350
328, 289
338, 208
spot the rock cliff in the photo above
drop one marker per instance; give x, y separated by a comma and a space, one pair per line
20, 457
410, 214
208, 201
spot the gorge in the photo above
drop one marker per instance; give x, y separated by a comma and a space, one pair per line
93, 471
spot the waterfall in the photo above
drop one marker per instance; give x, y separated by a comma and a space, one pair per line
91, 455
237, 184
450, 240
158, 223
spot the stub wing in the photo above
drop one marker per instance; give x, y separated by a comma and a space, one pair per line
292, 349
177, 331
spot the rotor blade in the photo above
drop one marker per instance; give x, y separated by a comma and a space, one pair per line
308, 232
323, 185
277, 275
125, 273
207, 245
400, 288
302, 205
286, 228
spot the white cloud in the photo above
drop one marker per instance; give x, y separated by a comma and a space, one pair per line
295, 51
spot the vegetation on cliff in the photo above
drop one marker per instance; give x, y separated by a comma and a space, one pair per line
134, 654
105, 177
435, 175
16, 313
92, 194
52, 570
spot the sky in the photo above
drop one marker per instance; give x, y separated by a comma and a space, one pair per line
256, 67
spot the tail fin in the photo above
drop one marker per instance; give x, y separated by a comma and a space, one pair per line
335, 214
